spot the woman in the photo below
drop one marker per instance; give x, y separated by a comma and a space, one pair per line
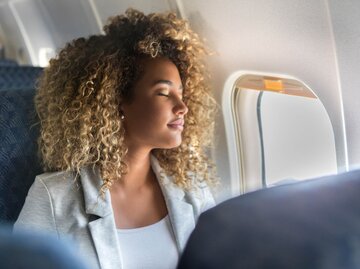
125, 117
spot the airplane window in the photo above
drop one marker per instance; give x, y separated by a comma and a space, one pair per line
282, 130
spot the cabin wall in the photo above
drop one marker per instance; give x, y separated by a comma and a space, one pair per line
278, 36
345, 16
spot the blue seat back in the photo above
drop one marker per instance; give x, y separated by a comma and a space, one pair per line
8, 62
19, 162
18, 77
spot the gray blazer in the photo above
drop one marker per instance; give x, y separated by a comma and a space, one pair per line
59, 204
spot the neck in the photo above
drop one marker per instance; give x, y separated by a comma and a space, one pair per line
139, 168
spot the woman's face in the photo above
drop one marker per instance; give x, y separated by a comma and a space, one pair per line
155, 116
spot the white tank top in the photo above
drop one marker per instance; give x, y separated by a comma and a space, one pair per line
149, 247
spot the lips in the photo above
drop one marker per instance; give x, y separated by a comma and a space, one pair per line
178, 123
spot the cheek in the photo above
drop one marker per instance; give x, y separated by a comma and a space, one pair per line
148, 116
156, 120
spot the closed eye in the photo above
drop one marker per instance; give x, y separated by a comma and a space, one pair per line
163, 94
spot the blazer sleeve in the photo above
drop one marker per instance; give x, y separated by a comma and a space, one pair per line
37, 212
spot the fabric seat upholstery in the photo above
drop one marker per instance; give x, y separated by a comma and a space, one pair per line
19, 163
18, 77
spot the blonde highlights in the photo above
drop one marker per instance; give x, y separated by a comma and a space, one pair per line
79, 96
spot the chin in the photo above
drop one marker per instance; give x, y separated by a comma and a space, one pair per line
168, 141
171, 144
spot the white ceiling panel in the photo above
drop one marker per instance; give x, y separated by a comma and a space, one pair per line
69, 19
109, 8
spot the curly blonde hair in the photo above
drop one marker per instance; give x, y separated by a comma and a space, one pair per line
80, 92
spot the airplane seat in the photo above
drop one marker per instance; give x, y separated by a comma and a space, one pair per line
309, 224
18, 77
19, 163
8, 62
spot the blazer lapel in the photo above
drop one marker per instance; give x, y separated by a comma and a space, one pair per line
180, 212
102, 227
182, 220
105, 240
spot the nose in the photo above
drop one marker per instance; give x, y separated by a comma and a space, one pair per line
180, 108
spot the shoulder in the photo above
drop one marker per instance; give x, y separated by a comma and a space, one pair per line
37, 212
55, 184
49, 200
47, 182
58, 179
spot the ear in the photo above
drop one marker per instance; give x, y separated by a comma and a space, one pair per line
122, 108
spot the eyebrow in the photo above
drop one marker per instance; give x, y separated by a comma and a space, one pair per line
168, 82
